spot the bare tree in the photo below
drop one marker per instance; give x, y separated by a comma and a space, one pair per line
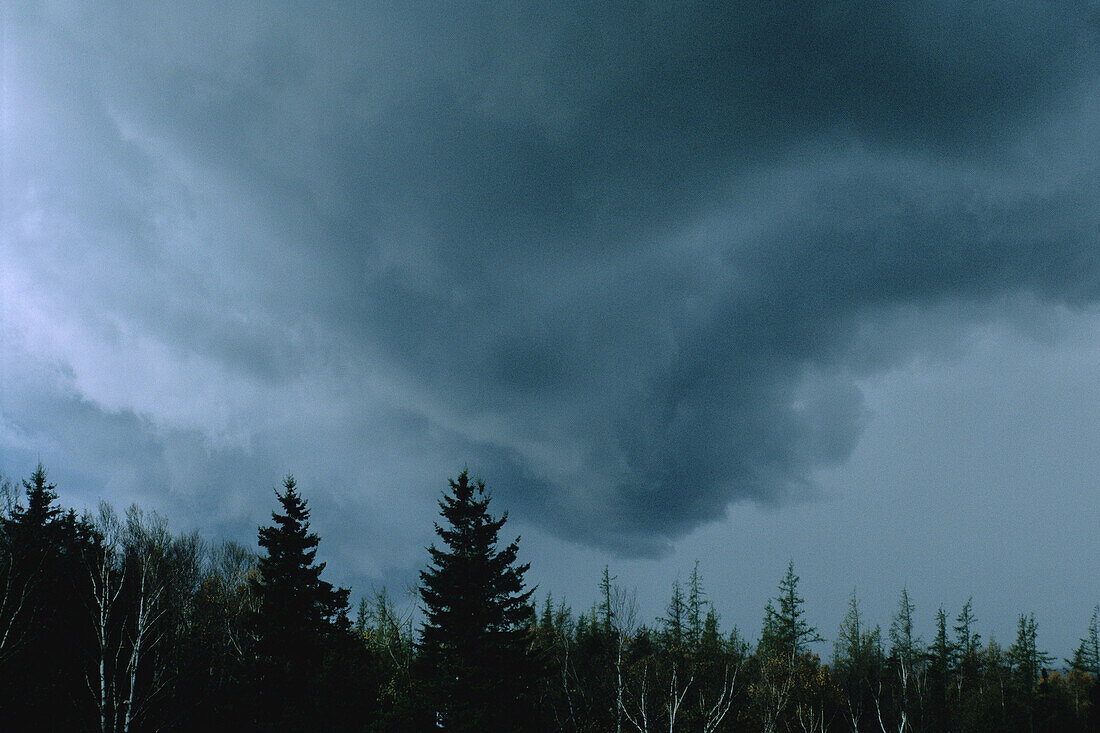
9, 498
231, 568
129, 575
105, 571
640, 720
909, 661
676, 695
19, 577
773, 691
712, 713
624, 607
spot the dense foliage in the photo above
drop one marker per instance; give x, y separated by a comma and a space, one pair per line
113, 623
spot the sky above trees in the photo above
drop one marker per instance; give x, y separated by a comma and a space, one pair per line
739, 282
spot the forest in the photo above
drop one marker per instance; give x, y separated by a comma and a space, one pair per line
111, 622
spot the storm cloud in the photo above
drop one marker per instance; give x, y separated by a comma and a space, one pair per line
628, 263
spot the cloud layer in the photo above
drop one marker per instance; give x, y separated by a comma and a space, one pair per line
628, 264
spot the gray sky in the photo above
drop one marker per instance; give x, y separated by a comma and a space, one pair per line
735, 282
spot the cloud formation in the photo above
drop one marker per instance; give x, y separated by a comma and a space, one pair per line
626, 263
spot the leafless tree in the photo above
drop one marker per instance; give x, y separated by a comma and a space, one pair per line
625, 614
128, 574
106, 573
675, 698
773, 690
640, 719
712, 713
19, 578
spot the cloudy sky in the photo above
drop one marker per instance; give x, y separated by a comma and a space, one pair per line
740, 282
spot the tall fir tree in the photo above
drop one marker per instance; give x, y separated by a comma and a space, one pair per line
674, 624
858, 664
1027, 660
298, 612
968, 647
478, 618
940, 672
786, 631
1086, 658
44, 627
908, 661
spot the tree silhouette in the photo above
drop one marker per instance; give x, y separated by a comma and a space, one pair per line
478, 616
297, 611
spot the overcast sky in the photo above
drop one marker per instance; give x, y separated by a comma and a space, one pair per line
739, 282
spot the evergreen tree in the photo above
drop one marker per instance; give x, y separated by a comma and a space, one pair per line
298, 614
606, 606
785, 665
695, 596
1027, 662
940, 654
477, 618
968, 646
674, 624
786, 631
1086, 658
858, 663
44, 626
906, 660
40, 511
905, 645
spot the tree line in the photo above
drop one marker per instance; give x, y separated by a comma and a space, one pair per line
111, 622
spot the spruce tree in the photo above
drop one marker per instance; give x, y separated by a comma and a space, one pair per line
967, 649
477, 617
1027, 660
695, 605
1086, 658
41, 495
298, 611
908, 660
940, 672
674, 625
43, 620
295, 601
786, 631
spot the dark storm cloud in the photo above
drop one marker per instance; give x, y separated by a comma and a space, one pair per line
625, 261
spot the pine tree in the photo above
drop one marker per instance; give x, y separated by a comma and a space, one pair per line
1086, 658
968, 646
786, 631
298, 611
858, 663
43, 621
940, 655
295, 601
477, 617
906, 659
904, 644
1027, 661
968, 643
674, 624
41, 495
695, 603
606, 606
